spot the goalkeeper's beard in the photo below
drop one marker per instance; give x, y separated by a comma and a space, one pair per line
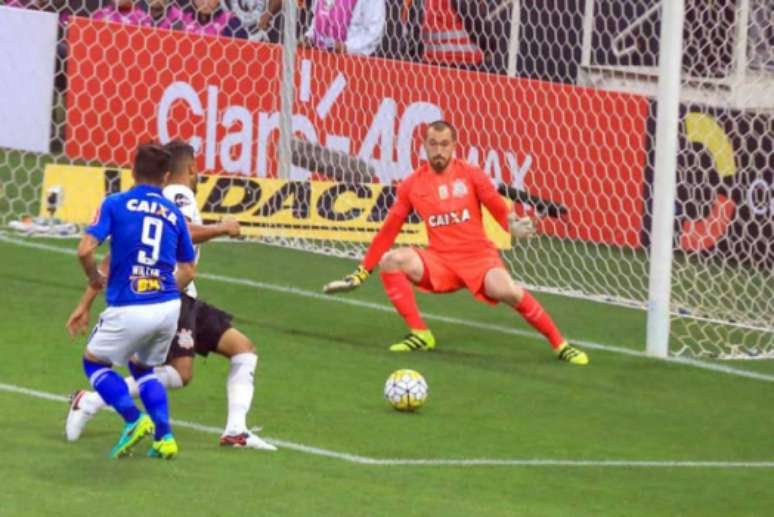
439, 163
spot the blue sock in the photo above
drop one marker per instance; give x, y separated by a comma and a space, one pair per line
154, 397
112, 388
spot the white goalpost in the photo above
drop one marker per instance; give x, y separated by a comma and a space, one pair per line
720, 92
665, 178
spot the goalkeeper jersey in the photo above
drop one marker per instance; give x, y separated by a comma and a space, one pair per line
449, 203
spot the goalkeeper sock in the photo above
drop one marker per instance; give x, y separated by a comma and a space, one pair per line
401, 294
112, 389
239, 389
531, 310
154, 398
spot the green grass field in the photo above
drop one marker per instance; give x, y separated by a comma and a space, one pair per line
497, 395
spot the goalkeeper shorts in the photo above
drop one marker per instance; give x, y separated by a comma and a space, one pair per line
446, 272
199, 328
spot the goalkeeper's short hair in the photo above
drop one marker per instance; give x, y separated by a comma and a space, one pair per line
442, 125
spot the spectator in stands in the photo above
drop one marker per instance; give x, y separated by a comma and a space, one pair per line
268, 9
463, 33
258, 17
346, 26
158, 11
488, 24
164, 14
446, 42
209, 18
123, 11
402, 30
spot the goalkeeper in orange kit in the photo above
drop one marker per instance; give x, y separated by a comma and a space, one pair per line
448, 193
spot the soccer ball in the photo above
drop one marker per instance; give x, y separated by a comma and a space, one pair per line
406, 390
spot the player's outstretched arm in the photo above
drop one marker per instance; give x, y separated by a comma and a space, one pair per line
348, 283
228, 227
381, 243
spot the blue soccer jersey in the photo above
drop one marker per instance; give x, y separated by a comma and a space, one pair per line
148, 236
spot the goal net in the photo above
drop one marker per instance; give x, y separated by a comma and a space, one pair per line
722, 283
302, 130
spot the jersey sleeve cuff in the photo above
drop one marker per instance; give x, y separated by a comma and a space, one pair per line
95, 234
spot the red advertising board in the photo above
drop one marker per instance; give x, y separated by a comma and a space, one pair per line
582, 148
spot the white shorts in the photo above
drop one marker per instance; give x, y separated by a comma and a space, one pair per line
144, 332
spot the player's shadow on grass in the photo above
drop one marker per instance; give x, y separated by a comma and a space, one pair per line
523, 359
449, 352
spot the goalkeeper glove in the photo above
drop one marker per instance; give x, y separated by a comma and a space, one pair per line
347, 283
521, 228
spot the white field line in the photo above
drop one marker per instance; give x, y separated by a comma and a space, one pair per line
354, 302
471, 462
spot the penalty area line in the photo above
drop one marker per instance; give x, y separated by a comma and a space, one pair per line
462, 462
354, 302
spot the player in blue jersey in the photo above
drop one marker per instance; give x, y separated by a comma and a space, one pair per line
202, 328
148, 239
